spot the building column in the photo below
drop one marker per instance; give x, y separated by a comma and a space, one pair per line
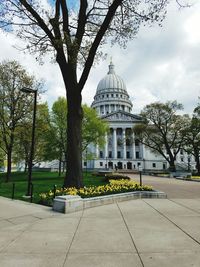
114, 143
97, 151
142, 149
133, 146
124, 142
106, 145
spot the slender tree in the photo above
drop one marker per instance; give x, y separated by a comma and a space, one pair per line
163, 130
23, 136
93, 128
14, 105
59, 130
2, 157
75, 35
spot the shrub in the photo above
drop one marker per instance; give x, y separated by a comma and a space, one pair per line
116, 176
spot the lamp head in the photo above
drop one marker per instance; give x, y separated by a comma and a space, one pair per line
28, 90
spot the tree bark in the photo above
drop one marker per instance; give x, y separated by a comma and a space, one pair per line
59, 167
198, 165
196, 155
9, 165
172, 167
74, 140
171, 158
73, 176
26, 166
171, 161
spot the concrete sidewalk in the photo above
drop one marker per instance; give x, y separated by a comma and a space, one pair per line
148, 232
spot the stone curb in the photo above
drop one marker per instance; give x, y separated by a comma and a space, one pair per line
188, 179
68, 204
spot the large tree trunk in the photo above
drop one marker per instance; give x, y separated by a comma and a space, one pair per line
74, 140
197, 162
73, 177
172, 167
171, 160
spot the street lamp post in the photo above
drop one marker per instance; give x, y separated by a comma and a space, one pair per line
106, 163
188, 163
30, 163
140, 171
86, 161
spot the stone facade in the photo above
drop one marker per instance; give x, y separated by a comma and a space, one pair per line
122, 150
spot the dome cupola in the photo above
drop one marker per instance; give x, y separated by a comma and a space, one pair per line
111, 94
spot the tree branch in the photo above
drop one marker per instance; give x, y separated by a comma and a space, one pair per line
91, 55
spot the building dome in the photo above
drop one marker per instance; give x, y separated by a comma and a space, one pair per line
111, 94
111, 81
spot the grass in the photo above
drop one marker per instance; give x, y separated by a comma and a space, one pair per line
42, 182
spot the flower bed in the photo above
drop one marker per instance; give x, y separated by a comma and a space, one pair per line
116, 176
113, 187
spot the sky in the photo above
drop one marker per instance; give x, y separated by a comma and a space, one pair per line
160, 64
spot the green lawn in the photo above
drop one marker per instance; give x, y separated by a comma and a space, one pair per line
42, 182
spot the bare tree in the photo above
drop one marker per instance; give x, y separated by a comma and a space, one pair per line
74, 34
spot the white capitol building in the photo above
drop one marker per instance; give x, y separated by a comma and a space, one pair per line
122, 149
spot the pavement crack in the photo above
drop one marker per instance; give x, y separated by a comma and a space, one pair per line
130, 235
194, 239
198, 212
67, 254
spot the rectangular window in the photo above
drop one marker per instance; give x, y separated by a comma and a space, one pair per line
85, 163
137, 142
138, 164
101, 163
137, 154
110, 154
118, 154
101, 154
154, 165
128, 155
164, 166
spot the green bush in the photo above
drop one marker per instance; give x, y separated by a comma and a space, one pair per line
116, 176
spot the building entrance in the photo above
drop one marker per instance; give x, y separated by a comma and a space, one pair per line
110, 164
119, 165
129, 165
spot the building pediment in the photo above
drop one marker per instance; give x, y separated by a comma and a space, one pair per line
122, 116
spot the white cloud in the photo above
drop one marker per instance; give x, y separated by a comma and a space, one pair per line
191, 27
160, 64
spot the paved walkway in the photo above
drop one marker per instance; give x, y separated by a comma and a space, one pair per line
174, 188
149, 232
